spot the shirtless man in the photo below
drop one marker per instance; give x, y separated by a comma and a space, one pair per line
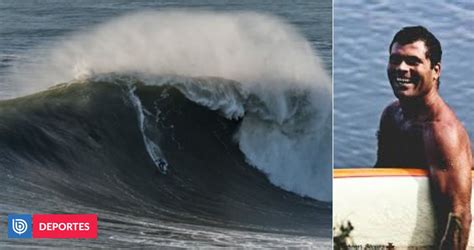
420, 130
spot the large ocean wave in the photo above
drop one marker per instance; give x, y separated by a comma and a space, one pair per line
277, 89
87, 145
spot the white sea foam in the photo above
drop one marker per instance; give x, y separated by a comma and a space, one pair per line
283, 95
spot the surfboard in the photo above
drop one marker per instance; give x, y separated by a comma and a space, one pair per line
385, 206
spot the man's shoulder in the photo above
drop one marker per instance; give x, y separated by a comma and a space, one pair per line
393, 106
445, 128
447, 124
391, 109
449, 133
448, 143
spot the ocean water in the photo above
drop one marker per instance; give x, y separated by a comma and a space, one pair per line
363, 31
180, 123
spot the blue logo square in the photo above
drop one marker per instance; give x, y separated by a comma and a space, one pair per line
19, 226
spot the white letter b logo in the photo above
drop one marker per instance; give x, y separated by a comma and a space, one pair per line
19, 226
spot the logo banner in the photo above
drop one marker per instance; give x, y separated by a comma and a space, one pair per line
63, 226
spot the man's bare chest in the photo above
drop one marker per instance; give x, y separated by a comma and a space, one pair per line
409, 143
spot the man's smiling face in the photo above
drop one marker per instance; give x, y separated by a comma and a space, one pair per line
410, 72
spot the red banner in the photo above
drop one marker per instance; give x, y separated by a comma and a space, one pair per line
83, 226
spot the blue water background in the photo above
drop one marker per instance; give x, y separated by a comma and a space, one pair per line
363, 31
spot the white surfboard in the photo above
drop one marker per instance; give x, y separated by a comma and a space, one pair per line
385, 206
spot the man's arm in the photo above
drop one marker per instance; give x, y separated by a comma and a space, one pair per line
449, 156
